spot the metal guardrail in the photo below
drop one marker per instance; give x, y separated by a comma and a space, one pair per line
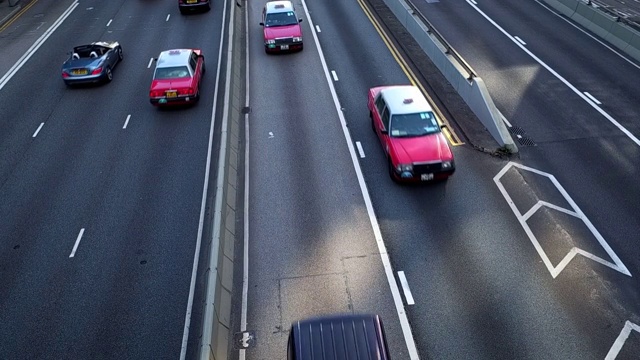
449, 50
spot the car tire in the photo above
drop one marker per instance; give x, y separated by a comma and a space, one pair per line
392, 173
108, 75
373, 124
204, 68
119, 54
182, 11
208, 7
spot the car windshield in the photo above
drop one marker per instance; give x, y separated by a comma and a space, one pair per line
417, 124
281, 19
174, 72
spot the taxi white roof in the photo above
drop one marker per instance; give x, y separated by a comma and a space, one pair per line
395, 97
274, 6
174, 57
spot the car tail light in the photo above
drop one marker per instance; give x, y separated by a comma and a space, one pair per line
65, 75
156, 93
97, 71
188, 91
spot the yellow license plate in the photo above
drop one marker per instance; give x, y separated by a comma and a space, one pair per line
171, 94
192, 1
79, 72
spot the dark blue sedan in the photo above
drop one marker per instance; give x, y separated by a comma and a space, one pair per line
91, 63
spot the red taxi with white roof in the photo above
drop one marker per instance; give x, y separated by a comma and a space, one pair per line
410, 134
282, 31
177, 77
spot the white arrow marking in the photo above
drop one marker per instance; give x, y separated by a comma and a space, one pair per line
576, 212
624, 334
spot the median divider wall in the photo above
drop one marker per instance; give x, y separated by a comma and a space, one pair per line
606, 25
215, 341
470, 88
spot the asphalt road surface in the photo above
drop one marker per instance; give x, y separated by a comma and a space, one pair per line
101, 203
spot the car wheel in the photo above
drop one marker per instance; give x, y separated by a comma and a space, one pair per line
183, 11
204, 68
373, 124
208, 7
119, 54
109, 75
392, 172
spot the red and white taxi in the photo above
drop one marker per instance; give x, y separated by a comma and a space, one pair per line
282, 31
410, 135
177, 77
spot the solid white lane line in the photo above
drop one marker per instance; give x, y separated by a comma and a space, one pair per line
168, 16
38, 130
506, 121
75, 246
382, 249
520, 40
589, 35
473, 1
245, 251
335, 76
150, 62
36, 45
620, 340
592, 98
360, 149
126, 121
318, 28
109, 23
559, 77
405, 288
205, 187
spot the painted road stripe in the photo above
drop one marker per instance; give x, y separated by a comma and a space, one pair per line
520, 40
126, 121
168, 16
150, 62
36, 45
562, 79
360, 149
624, 334
592, 98
38, 130
109, 23
405, 288
75, 246
412, 350
318, 28
335, 76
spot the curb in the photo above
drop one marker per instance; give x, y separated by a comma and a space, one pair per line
6, 19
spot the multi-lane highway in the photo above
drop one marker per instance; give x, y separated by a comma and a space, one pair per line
100, 192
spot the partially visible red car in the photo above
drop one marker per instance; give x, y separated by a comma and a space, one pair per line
410, 135
282, 31
177, 77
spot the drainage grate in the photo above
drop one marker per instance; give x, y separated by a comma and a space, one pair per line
521, 135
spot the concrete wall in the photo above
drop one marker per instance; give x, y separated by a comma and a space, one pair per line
472, 89
600, 23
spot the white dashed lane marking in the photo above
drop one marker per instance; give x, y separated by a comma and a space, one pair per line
109, 23
360, 149
38, 130
405, 288
168, 16
318, 28
150, 62
75, 246
126, 122
335, 76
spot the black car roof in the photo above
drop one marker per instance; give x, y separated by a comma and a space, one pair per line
338, 337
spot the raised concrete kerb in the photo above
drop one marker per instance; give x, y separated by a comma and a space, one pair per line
473, 91
6, 19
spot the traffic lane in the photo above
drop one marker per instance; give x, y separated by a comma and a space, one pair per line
19, 36
396, 230
312, 250
164, 143
585, 62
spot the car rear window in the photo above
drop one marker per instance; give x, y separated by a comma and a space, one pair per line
281, 19
417, 124
173, 72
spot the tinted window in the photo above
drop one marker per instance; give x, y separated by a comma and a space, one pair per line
193, 60
281, 19
385, 117
417, 124
174, 72
379, 103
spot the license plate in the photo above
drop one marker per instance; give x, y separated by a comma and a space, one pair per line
284, 47
425, 177
171, 94
79, 72
192, 1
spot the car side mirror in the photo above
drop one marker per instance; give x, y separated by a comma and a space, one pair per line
299, 20
261, 24
384, 131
